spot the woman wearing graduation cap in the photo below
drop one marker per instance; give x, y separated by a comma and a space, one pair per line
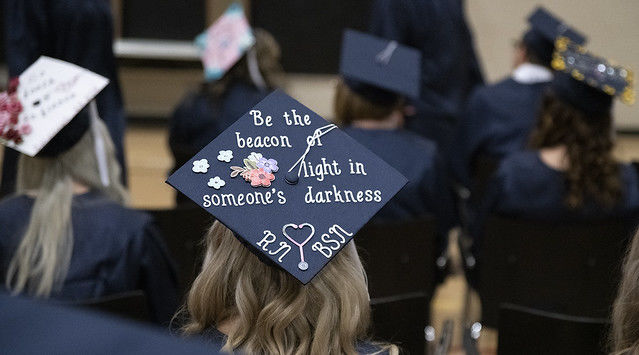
570, 173
369, 104
241, 67
66, 235
281, 274
499, 117
76, 31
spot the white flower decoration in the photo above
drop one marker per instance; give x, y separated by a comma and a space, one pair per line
201, 166
216, 183
255, 157
225, 156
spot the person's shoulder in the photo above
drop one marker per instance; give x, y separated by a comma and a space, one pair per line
423, 144
14, 206
103, 209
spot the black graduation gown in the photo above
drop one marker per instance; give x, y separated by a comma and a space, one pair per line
115, 249
498, 121
76, 31
449, 65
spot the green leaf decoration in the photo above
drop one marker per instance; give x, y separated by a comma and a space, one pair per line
250, 164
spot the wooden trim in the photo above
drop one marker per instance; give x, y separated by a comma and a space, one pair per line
116, 10
215, 8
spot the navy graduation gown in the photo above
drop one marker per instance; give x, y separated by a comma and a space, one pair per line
76, 31
419, 161
115, 249
449, 65
526, 187
497, 121
198, 119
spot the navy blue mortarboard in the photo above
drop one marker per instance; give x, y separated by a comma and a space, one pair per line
379, 69
289, 184
544, 30
589, 82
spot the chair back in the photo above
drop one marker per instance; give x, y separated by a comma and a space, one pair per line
566, 267
183, 229
131, 305
524, 330
400, 258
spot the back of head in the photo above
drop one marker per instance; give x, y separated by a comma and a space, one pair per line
271, 312
593, 173
265, 54
41, 261
350, 106
624, 336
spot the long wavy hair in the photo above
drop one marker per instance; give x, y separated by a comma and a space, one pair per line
273, 313
267, 53
624, 336
593, 174
41, 261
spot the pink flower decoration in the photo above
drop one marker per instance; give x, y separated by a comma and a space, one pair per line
14, 106
4, 101
13, 85
259, 177
25, 129
4, 118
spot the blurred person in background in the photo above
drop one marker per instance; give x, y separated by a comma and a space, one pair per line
499, 117
76, 31
67, 236
570, 172
228, 93
450, 69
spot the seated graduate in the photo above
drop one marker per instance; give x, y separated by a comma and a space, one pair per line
281, 273
571, 173
66, 235
624, 335
499, 117
369, 106
241, 68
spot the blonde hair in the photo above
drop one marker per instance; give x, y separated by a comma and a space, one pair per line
625, 313
272, 312
350, 106
42, 258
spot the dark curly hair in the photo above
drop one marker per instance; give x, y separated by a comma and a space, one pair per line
593, 174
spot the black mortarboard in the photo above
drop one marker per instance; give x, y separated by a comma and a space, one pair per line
544, 29
289, 184
379, 69
589, 82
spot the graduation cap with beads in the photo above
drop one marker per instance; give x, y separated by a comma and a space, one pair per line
292, 187
39, 111
379, 69
589, 82
545, 28
225, 42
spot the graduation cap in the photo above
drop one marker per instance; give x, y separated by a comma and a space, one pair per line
379, 69
545, 28
37, 112
225, 42
292, 187
589, 82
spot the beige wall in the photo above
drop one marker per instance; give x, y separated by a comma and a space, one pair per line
612, 27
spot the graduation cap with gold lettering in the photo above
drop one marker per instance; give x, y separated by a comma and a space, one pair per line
292, 187
587, 81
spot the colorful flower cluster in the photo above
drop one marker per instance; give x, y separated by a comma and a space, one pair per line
257, 170
10, 109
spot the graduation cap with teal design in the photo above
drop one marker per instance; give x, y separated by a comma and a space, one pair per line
292, 186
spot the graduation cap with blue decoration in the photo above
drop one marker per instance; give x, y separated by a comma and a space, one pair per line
587, 81
545, 28
292, 187
225, 42
378, 69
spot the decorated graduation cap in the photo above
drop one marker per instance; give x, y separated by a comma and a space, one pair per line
37, 111
225, 42
379, 69
292, 187
589, 82
545, 28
